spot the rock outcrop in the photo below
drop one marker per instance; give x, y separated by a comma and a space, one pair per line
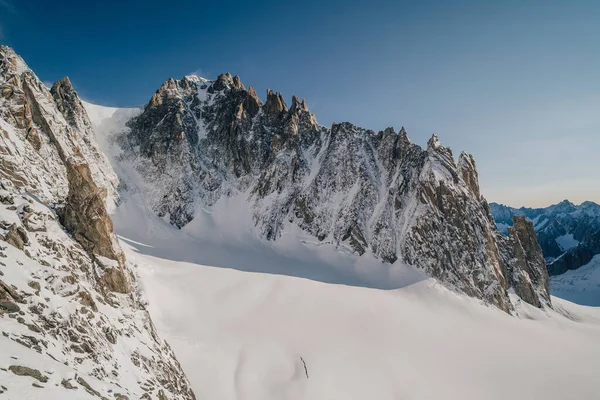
567, 234
526, 265
364, 191
68, 287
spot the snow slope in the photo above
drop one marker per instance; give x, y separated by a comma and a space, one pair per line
242, 335
581, 286
242, 329
565, 242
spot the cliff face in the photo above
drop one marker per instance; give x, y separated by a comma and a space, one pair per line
198, 141
567, 233
66, 275
525, 263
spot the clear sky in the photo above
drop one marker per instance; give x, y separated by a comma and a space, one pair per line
516, 83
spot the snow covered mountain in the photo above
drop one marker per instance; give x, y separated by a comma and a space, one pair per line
199, 142
72, 318
569, 235
207, 181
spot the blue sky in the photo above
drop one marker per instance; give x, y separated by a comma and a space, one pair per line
516, 83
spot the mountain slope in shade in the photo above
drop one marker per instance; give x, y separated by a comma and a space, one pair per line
581, 286
72, 318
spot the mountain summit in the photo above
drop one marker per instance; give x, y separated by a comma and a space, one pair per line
198, 142
206, 159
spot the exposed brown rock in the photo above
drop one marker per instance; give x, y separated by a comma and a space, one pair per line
67, 385
222, 82
87, 300
16, 236
251, 102
26, 371
8, 297
528, 267
68, 103
35, 286
295, 102
275, 104
237, 83
87, 387
114, 279
168, 87
468, 172
85, 216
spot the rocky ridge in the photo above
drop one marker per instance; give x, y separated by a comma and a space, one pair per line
198, 141
67, 293
569, 235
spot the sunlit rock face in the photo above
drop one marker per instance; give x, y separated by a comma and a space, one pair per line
67, 293
198, 141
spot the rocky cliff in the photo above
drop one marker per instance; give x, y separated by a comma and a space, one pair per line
198, 141
67, 292
568, 234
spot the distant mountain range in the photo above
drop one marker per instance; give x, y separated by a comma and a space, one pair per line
569, 235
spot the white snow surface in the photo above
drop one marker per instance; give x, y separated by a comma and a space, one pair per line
243, 335
244, 321
581, 286
565, 242
108, 120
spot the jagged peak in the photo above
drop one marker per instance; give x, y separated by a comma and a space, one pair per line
295, 101
195, 78
468, 172
466, 159
237, 83
252, 102
434, 143
226, 78
297, 104
15, 64
275, 104
64, 82
252, 92
223, 82
7, 51
172, 88
343, 127
64, 87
